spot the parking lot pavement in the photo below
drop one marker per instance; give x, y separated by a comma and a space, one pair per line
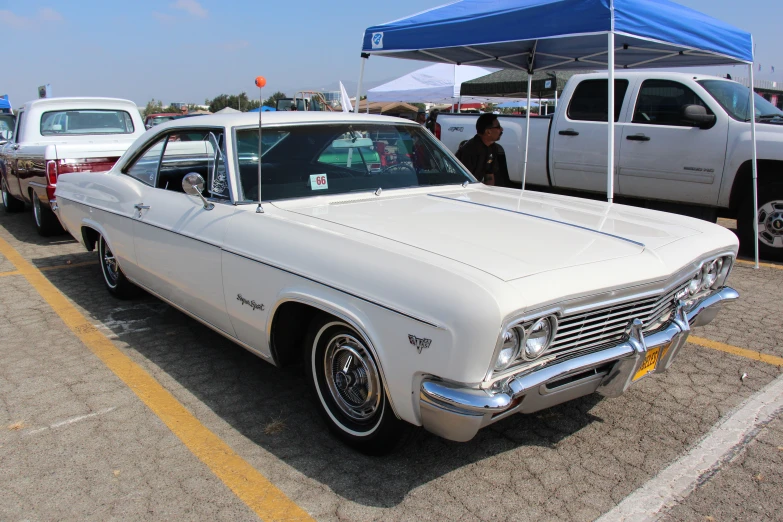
573, 462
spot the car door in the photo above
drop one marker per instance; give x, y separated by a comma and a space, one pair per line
580, 142
178, 237
662, 156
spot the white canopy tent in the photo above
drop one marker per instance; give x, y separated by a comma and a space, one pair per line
439, 83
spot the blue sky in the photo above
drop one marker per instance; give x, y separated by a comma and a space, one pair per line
189, 50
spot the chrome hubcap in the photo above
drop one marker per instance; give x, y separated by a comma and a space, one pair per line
352, 377
111, 269
770, 220
5, 193
37, 210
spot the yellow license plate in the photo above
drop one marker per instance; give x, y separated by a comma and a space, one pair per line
650, 361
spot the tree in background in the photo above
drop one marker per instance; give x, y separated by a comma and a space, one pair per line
272, 100
238, 102
153, 107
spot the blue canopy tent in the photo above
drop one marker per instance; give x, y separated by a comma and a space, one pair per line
263, 108
539, 35
4, 103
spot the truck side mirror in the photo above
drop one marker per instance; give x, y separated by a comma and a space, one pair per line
697, 116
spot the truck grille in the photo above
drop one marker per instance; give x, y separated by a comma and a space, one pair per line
607, 326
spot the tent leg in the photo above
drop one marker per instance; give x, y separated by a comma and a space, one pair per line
365, 56
755, 170
610, 118
527, 129
555, 96
459, 104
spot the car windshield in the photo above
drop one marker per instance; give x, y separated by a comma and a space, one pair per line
734, 98
311, 160
86, 122
157, 120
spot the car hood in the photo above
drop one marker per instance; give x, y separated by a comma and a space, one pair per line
499, 232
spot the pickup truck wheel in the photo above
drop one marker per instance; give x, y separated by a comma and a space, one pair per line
116, 282
10, 203
347, 383
46, 222
770, 220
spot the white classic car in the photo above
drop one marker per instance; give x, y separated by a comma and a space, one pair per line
412, 293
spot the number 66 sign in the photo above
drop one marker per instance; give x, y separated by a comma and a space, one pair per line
318, 182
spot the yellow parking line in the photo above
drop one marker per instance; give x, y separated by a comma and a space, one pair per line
72, 265
13, 272
742, 352
255, 490
753, 263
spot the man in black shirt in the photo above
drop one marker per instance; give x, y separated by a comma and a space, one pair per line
482, 156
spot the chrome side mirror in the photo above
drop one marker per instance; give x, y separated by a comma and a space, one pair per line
193, 185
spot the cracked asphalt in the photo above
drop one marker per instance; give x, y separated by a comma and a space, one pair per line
77, 444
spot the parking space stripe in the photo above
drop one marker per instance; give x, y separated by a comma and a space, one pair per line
765, 265
255, 490
11, 273
742, 352
723, 442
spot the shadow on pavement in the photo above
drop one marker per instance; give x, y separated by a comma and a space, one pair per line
252, 396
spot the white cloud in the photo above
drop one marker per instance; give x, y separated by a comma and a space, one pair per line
191, 7
11, 19
49, 14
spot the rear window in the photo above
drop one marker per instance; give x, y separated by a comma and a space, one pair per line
86, 121
591, 99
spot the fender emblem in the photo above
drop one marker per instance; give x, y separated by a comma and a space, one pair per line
252, 304
456, 129
420, 344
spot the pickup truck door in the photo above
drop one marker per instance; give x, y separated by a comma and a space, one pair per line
579, 143
177, 239
664, 157
12, 159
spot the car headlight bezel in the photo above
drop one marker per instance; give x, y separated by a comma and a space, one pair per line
550, 323
509, 349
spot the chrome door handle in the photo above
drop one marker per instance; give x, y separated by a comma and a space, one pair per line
141, 206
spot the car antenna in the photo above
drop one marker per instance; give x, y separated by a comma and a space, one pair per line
260, 83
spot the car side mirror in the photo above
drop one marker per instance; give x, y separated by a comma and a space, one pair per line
697, 116
193, 185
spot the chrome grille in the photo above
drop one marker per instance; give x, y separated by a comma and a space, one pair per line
606, 326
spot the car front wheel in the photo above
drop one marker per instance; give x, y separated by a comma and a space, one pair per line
346, 381
770, 223
116, 283
10, 203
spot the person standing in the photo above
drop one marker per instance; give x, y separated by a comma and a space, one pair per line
482, 155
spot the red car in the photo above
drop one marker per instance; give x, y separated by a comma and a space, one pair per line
156, 119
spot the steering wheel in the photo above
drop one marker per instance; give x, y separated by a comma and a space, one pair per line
399, 168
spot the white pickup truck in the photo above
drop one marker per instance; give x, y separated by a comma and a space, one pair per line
683, 144
56, 136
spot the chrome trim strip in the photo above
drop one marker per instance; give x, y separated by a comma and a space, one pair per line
366, 300
542, 218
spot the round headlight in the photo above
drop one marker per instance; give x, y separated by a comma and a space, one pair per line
538, 337
509, 350
711, 273
695, 284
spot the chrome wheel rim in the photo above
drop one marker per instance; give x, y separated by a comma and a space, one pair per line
37, 210
352, 377
110, 267
770, 220
5, 193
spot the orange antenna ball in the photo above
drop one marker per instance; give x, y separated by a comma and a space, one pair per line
260, 81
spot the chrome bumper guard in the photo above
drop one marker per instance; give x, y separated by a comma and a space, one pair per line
457, 412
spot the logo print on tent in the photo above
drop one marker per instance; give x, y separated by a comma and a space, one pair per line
377, 40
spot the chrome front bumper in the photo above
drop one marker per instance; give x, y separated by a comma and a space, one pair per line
457, 412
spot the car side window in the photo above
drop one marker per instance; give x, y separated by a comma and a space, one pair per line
591, 99
19, 120
145, 168
661, 102
196, 151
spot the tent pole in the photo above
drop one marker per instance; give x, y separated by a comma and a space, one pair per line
459, 104
365, 56
755, 169
527, 128
610, 118
555, 96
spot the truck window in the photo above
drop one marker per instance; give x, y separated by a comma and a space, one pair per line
591, 97
660, 102
19, 121
83, 121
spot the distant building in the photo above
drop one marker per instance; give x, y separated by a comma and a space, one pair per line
767, 89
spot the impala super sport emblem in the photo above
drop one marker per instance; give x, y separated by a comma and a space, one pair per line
420, 344
252, 304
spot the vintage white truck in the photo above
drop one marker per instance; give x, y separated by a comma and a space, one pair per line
55, 136
697, 163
